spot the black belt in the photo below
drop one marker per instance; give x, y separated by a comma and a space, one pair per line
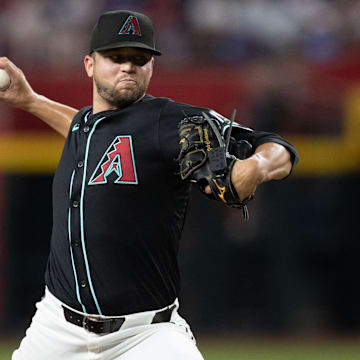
103, 326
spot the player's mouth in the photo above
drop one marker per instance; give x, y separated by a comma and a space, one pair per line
127, 80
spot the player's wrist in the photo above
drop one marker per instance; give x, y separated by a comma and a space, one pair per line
31, 102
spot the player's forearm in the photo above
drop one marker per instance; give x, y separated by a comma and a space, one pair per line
55, 114
272, 161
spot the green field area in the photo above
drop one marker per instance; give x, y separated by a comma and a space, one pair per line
259, 349
278, 349
281, 353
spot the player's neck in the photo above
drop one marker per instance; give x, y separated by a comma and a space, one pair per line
100, 104
101, 107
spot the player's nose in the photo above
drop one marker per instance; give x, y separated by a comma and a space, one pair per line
127, 66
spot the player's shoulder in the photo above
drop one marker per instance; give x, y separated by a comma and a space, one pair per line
173, 106
176, 111
170, 105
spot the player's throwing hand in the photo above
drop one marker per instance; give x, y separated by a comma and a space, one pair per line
19, 94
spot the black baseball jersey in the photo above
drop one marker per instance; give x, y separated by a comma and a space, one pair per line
119, 208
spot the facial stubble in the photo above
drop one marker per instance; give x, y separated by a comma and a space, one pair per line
118, 98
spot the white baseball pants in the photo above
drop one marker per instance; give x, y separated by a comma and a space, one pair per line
50, 336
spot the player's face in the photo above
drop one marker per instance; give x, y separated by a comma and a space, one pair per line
121, 76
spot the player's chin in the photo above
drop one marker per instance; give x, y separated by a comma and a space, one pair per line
125, 97
131, 91
127, 92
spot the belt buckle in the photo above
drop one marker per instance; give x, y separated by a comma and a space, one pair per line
84, 323
86, 319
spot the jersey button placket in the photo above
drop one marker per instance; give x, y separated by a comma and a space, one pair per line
83, 284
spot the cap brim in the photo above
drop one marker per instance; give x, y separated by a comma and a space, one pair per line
128, 44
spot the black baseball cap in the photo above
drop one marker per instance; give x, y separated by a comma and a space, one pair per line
123, 28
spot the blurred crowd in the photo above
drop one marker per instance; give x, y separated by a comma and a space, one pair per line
56, 33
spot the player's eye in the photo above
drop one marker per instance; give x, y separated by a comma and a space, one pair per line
117, 59
138, 60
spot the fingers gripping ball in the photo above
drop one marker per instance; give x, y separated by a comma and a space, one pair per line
4, 80
204, 160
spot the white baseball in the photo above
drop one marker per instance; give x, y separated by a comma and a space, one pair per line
4, 80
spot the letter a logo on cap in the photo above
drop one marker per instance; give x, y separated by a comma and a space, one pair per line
131, 27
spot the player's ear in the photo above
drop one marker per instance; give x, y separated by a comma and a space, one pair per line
89, 61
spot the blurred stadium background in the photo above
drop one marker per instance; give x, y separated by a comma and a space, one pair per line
283, 286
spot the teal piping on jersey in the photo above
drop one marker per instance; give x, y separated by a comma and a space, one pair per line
82, 217
71, 251
86, 116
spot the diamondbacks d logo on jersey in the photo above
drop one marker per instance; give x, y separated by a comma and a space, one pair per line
117, 165
131, 27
